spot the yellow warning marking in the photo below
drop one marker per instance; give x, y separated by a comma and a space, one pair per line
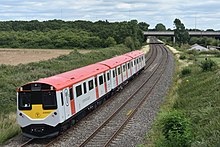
129, 112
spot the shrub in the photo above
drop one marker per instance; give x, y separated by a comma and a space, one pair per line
182, 57
208, 65
176, 130
186, 71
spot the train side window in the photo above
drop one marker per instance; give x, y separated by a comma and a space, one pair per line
137, 61
84, 87
119, 71
71, 93
113, 73
90, 84
78, 90
100, 80
132, 65
104, 77
108, 76
61, 94
128, 65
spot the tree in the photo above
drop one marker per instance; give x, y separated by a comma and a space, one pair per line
143, 26
181, 35
160, 27
110, 41
129, 42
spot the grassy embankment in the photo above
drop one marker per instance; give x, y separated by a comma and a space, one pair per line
197, 96
14, 76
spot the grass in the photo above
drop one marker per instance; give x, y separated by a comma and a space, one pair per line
12, 77
198, 96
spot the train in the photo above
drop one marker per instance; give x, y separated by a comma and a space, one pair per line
49, 106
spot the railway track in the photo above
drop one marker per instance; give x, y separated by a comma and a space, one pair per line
111, 127
150, 58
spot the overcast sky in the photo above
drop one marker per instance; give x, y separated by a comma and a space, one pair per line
206, 14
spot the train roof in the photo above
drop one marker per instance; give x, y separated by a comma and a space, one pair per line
66, 79
116, 61
134, 54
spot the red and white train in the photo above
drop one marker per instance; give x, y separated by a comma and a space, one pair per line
48, 106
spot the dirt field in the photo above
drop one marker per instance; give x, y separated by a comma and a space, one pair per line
17, 56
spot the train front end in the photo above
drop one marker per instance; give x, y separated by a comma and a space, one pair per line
37, 111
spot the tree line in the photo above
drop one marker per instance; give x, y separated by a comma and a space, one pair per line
71, 34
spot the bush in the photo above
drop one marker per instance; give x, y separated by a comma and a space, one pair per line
208, 65
129, 43
182, 57
186, 71
176, 130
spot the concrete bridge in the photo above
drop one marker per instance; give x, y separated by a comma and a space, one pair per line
191, 33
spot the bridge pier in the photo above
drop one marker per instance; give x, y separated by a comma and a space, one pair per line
174, 39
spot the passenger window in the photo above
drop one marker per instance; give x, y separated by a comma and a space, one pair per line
119, 71
100, 80
84, 87
132, 64
90, 84
78, 90
128, 65
71, 93
108, 76
137, 61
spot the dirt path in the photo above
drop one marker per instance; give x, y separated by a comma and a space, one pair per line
17, 56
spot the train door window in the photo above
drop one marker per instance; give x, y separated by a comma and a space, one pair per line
132, 65
128, 65
71, 93
104, 77
78, 90
96, 82
100, 80
84, 87
134, 62
119, 71
113, 72
137, 61
108, 76
90, 84
123, 68
61, 94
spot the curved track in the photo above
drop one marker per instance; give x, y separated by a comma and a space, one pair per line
108, 129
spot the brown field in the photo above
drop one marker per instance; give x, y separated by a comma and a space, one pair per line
17, 56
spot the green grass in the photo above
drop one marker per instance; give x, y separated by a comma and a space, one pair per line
12, 77
215, 59
198, 96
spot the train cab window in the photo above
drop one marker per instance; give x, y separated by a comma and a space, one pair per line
71, 93
78, 90
119, 71
91, 85
24, 101
84, 87
108, 76
113, 72
100, 80
49, 100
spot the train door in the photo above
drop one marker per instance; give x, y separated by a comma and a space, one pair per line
101, 85
113, 78
119, 75
66, 103
132, 67
124, 74
108, 81
129, 69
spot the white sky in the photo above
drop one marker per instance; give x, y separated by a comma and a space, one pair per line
206, 14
